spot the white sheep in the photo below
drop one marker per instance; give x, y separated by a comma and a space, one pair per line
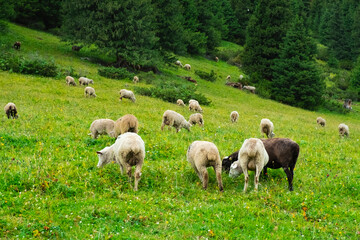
192, 100
178, 63
127, 123
127, 94
252, 156
321, 121
216, 59
195, 106
128, 150
135, 79
102, 127
180, 103
196, 118
187, 66
11, 110
267, 127
203, 154
234, 116
89, 91
174, 119
228, 77
343, 130
241, 77
85, 81
70, 81
250, 88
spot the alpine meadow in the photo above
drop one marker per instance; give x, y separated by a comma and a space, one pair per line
50, 185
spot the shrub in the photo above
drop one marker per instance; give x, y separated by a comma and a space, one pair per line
207, 76
114, 73
335, 106
171, 91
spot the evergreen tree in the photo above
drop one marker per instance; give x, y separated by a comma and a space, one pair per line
265, 32
231, 21
296, 80
124, 29
355, 78
355, 34
6, 12
243, 10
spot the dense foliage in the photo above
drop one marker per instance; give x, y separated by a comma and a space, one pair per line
114, 73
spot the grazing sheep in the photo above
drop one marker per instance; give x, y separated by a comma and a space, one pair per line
11, 110
17, 45
76, 48
187, 66
174, 119
180, 103
102, 127
178, 63
250, 88
85, 81
321, 121
267, 127
241, 77
216, 59
89, 91
136, 79
228, 77
70, 81
196, 118
283, 153
128, 150
192, 100
203, 154
343, 130
127, 123
252, 156
195, 106
234, 116
127, 94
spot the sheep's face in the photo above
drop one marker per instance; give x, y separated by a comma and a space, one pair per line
235, 170
272, 134
226, 163
104, 157
342, 131
186, 125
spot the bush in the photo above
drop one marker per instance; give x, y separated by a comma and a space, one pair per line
114, 73
207, 76
335, 106
171, 91
35, 65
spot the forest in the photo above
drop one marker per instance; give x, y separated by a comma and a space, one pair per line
304, 53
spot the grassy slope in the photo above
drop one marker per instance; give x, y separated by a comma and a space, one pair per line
50, 186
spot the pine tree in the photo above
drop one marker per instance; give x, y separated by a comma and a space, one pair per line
124, 29
243, 10
355, 34
355, 78
296, 80
265, 32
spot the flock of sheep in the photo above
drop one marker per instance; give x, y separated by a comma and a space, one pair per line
129, 148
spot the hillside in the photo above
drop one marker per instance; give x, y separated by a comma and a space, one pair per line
50, 186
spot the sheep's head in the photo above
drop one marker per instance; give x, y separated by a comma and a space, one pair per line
235, 170
105, 157
226, 163
272, 134
186, 125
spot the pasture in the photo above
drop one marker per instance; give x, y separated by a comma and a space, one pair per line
50, 186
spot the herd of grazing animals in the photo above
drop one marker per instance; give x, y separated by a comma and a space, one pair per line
129, 148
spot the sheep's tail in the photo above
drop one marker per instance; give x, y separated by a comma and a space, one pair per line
132, 126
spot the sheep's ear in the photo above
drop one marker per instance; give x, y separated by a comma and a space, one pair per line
230, 158
100, 153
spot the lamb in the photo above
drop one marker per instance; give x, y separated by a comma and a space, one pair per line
234, 116
11, 110
127, 94
180, 103
89, 91
178, 63
127, 151
17, 45
203, 154
267, 127
187, 66
174, 119
250, 88
135, 79
85, 81
127, 123
216, 59
70, 81
241, 77
228, 77
102, 127
195, 106
343, 130
252, 156
321, 121
196, 118
283, 153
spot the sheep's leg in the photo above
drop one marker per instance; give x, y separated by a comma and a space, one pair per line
128, 171
217, 170
289, 177
121, 168
137, 176
257, 174
246, 175
205, 177
162, 125
121, 98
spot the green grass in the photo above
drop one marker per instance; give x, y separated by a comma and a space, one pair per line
50, 186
